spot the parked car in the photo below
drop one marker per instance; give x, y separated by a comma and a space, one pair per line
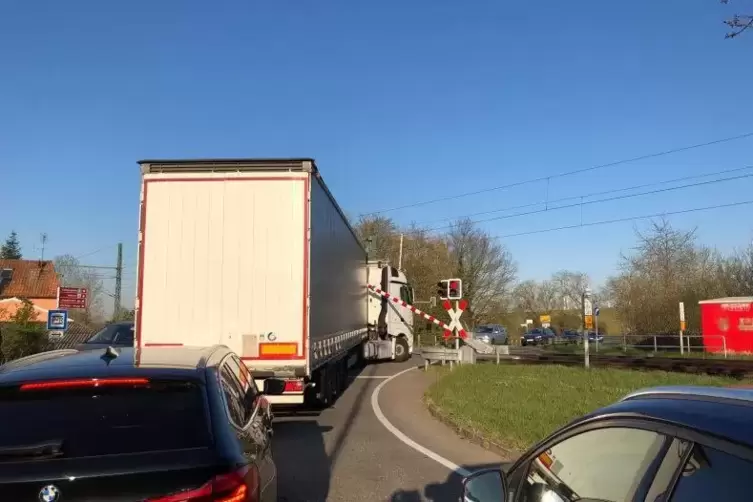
683, 444
572, 336
537, 336
595, 337
157, 425
493, 334
117, 334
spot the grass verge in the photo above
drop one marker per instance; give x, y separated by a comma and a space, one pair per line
517, 405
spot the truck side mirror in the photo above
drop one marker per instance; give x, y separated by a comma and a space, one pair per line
487, 485
274, 386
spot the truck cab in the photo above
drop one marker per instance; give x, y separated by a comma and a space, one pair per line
390, 322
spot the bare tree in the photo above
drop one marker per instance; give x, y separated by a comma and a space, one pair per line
485, 266
526, 295
380, 236
535, 298
738, 23
72, 274
570, 287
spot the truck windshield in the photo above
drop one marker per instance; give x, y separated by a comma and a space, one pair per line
406, 293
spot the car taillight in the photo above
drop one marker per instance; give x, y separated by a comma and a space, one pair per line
238, 486
294, 386
79, 383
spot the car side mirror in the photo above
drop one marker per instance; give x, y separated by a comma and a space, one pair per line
488, 485
274, 386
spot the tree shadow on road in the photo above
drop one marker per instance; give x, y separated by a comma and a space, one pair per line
448, 491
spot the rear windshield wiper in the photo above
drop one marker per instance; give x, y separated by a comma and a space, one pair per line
46, 449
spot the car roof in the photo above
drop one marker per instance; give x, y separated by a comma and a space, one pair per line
187, 362
722, 412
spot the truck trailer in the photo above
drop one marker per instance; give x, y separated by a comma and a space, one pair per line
257, 255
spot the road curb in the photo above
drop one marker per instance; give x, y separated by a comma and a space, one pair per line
466, 433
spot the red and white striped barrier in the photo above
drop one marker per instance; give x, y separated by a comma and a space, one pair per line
395, 299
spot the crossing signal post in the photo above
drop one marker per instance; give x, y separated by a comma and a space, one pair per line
450, 289
443, 289
455, 289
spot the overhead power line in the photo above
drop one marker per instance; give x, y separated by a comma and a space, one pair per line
599, 201
588, 195
567, 173
622, 220
96, 251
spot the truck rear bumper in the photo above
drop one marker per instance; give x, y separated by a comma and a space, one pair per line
286, 399
289, 397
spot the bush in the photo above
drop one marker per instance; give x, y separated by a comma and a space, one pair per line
19, 341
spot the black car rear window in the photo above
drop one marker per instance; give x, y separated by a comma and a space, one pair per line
165, 415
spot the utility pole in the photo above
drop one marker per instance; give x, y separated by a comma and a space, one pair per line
118, 268
586, 355
118, 282
400, 255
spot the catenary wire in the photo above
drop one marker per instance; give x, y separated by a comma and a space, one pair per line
567, 173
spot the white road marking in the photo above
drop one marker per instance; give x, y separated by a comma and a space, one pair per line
405, 439
365, 377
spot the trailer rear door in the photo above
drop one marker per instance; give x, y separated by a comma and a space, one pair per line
223, 258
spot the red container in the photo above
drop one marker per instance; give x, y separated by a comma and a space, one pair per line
727, 321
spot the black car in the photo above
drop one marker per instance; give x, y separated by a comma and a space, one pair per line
154, 425
679, 444
538, 336
117, 334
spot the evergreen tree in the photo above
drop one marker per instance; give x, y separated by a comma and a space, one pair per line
11, 250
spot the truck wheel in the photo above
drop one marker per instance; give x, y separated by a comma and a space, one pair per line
343, 369
402, 353
320, 396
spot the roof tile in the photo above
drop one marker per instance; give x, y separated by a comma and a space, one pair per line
31, 279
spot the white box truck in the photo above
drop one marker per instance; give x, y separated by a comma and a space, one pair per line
256, 254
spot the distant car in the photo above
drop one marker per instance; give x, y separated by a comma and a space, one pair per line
593, 337
117, 334
538, 336
493, 334
682, 444
161, 425
572, 336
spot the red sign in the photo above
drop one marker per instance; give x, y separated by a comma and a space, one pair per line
455, 319
72, 298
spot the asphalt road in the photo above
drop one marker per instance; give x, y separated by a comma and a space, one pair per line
346, 453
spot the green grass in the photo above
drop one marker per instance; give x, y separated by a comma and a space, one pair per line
517, 405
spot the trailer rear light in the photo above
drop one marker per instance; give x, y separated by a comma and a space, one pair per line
545, 459
294, 386
79, 383
238, 486
278, 349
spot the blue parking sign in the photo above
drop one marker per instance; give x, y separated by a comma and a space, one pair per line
57, 320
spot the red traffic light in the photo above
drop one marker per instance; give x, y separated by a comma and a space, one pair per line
455, 289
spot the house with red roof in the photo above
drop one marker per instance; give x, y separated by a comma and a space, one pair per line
33, 280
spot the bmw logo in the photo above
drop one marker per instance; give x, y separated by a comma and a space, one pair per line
49, 493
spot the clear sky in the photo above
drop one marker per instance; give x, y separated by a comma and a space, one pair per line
398, 101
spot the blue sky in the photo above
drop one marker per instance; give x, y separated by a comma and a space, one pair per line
398, 101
